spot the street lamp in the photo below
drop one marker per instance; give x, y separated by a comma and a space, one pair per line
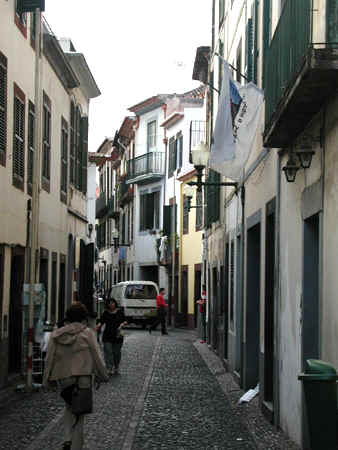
305, 154
200, 158
189, 193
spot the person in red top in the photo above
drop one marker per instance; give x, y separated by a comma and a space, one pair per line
161, 313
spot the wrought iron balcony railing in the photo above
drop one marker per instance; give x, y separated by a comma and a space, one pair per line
145, 168
300, 68
198, 134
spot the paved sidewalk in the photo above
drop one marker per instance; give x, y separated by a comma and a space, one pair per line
173, 393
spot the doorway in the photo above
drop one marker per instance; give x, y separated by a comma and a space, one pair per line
251, 353
197, 291
239, 306
15, 310
269, 310
310, 330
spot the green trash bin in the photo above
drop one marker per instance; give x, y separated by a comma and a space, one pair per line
320, 392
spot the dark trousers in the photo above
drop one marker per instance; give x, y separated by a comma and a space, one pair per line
161, 314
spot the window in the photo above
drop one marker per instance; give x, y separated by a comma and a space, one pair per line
46, 142
64, 160
19, 138
142, 291
185, 215
30, 146
150, 211
3, 108
199, 210
151, 136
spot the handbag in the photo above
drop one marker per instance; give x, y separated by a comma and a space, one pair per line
82, 400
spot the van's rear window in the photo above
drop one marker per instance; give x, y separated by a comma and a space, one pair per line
144, 291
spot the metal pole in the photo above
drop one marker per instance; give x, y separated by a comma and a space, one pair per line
173, 252
35, 200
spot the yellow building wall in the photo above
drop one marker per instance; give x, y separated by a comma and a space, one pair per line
190, 251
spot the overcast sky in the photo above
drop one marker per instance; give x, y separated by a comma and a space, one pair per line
135, 49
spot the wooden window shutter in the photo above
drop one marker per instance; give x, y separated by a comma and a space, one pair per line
166, 220
64, 160
46, 143
180, 153
30, 146
18, 167
78, 154
255, 40
3, 108
142, 212
150, 204
72, 145
171, 167
266, 31
84, 153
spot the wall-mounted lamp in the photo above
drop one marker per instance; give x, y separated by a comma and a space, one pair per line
200, 158
291, 168
303, 153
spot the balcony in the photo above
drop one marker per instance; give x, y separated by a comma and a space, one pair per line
101, 206
300, 70
146, 168
197, 134
112, 209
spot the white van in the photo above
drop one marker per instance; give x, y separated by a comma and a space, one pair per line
137, 299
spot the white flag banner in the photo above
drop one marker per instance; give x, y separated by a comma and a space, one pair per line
238, 114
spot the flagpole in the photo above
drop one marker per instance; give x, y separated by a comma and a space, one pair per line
230, 65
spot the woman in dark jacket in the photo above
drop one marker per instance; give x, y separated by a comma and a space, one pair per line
114, 320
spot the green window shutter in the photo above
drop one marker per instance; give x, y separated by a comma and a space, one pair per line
255, 40
166, 220
150, 204
266, 30
84, 153
249, 44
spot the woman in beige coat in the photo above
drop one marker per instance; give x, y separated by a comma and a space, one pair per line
73, 357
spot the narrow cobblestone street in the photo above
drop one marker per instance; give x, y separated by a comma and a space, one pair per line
173, 393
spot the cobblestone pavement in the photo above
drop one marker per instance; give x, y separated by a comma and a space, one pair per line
173, 393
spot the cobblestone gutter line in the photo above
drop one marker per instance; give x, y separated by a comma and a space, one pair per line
137, 413
266, 436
